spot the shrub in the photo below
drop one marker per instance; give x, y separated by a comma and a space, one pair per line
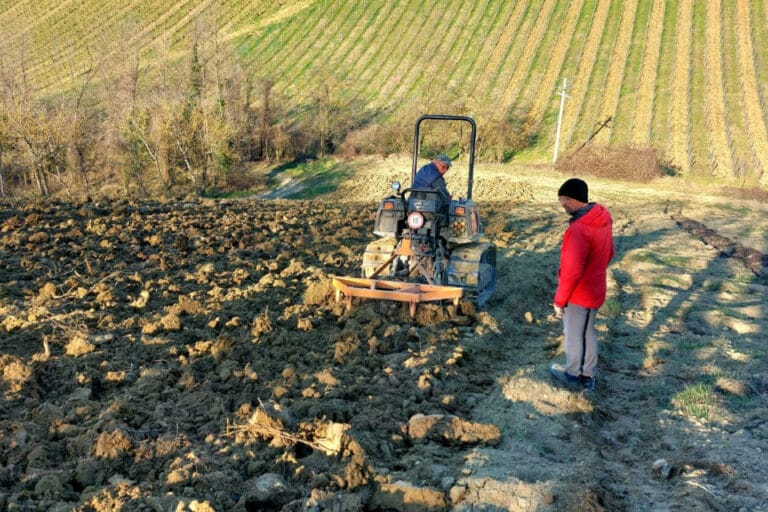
502, 138
381, 139
625, 163
752, 193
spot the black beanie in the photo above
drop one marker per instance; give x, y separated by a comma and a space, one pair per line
576, 189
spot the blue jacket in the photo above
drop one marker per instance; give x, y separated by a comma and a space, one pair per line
429, 177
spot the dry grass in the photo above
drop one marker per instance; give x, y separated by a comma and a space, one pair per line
745, 193
627, 163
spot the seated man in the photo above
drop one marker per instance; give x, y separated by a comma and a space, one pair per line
431, 175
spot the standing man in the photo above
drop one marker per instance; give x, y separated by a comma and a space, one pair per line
431, 175
586, 250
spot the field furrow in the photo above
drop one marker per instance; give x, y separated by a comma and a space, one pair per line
238, 14
568, 71
494, 22
752, 106
281, 49
579, 119
544, 94
357, 37
178, 29
498, 82
380, 40
621, 132
254, 17
698, 136
663, 86
12, 10
720, 150
523, 68
677, 147
431, 83
643, 107
465, 46
503, 43
261, 48
760, 37
156, 24
339, 33
48, 13
580, 80
427, 64
617, 69
546, 56
45, 42
737, 124
397, 48
292, 53
78, 40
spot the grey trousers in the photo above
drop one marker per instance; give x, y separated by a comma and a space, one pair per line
580, 340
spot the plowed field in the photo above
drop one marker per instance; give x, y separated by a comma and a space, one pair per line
192, 356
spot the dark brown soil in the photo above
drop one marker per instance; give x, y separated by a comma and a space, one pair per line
192, 356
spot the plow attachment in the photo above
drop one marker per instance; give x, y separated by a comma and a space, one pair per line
412, 293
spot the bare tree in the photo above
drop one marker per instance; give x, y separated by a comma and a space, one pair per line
265, 118
332, 114
161, 123
85, 134
6, 143
134, 148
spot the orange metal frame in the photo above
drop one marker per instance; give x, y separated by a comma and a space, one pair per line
412, 293
402, 291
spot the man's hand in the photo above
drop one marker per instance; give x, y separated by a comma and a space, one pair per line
558, 311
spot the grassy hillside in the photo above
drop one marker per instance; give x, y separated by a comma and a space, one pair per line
689, 78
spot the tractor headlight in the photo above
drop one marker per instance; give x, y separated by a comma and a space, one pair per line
415, 220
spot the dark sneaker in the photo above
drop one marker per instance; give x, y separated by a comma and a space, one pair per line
588, 383
559, 373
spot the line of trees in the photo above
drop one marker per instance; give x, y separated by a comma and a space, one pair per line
164, 126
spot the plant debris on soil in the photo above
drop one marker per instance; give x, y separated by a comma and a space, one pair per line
193, 356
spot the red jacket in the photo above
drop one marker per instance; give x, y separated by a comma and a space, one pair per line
584, 256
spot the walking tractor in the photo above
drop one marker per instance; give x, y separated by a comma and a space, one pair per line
430, 246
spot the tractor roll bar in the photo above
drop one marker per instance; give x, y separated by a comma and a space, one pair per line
444, 117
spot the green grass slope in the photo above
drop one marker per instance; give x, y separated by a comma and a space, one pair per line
688, 78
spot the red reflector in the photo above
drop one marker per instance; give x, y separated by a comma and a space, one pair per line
459, 210
389, 205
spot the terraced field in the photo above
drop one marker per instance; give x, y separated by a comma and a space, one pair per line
688, 78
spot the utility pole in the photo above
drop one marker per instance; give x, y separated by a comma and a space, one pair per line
560, 118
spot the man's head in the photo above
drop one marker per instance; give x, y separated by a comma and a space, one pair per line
443, 163
573, 194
